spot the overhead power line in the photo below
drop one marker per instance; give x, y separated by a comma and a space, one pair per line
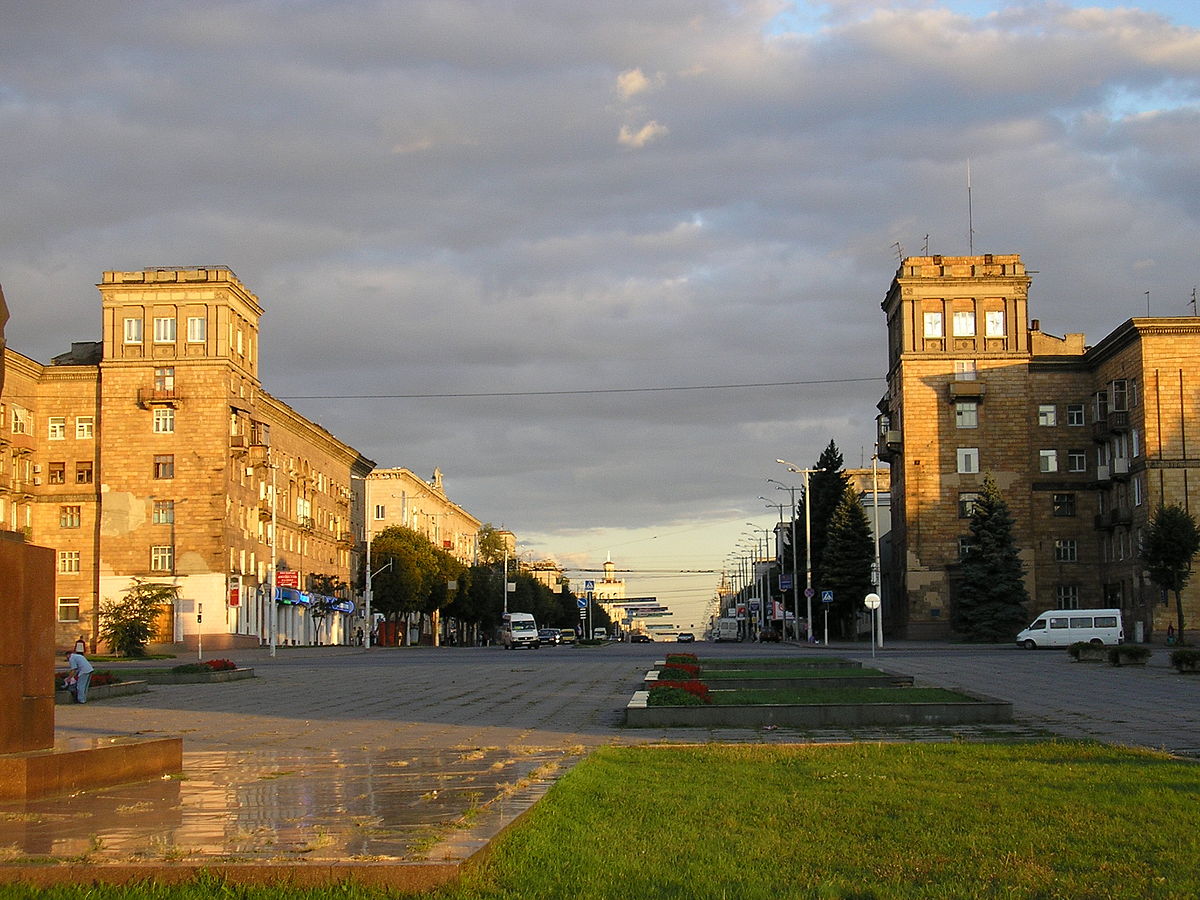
578, 392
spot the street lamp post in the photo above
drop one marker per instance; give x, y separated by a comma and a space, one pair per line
779, 559
808, 588
780, 486
763, 595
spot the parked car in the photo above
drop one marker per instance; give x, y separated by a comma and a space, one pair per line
640, 637
685, 637
566, 635
549, 636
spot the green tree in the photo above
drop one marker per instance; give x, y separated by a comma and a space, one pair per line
992, 599
491, 544
848, 559
126, 625
406, 585
827, 487
1168, 547
326, 589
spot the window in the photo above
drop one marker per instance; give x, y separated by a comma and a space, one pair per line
85, 427
1075, 416
83, 472
1063, 505
1101, 401
68, 609
133, 331
964, 547
1047, 460
993, 323
164, 378
933, 325
162, 558
22, 420
1138, 491
1119, 391
1076, 460
964, 323
164, 512
68, 562
968, 460
964, 370
380, 511
1135, 443
57, 428
1047, 414
966, 503
966, 414
1066, 596
1066, 550
197, 329
56, 473
164, 330
164, 420
164, 466
70, 516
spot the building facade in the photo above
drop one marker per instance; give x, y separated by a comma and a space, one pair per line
155, 454
1084, 443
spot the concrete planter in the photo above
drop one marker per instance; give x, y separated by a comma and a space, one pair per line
979, 710
827, 681
199, 677
105, 691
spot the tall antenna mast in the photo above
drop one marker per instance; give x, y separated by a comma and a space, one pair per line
970, 213
1193, 301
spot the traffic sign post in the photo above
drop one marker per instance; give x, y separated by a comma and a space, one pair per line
826, 600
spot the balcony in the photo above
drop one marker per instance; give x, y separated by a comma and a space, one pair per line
1114, 422
890, 445
306, 523
1121, 515
967, 390
151, 397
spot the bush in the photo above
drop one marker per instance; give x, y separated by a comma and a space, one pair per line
688, 659
678, 693
221, 665
98, 680
1128, 653
1084, 649
1186, 660
674, 671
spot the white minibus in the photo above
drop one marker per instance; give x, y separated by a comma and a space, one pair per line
1063, 627
518, 629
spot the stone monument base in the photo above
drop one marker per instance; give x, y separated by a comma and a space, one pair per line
83, 764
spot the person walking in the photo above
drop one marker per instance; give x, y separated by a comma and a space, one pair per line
81, 672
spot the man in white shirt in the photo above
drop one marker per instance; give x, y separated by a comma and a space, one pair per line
81, 671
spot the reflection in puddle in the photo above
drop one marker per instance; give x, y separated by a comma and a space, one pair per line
327, 805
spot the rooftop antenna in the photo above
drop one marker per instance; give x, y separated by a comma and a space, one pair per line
1193, 301
926, 248
899, 251
970, 213
1147, 303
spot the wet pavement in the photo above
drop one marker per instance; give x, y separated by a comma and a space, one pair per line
343, 755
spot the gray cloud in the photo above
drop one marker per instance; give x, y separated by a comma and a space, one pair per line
437, 198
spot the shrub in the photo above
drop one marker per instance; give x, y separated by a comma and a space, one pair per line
1077, 650
98, 680
221, 665
678, 693
688, 659
1186, 660
1128, 653
674, 671
190, 669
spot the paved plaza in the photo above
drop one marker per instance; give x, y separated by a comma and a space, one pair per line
335, 754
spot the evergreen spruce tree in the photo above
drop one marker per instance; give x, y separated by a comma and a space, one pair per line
827, 488
847, 562
992, 601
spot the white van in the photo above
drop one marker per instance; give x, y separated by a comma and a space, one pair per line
1063, 627
518, 629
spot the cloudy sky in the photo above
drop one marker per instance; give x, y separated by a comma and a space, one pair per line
601, 263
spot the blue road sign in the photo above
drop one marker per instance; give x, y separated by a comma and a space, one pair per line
826, 596
582, 601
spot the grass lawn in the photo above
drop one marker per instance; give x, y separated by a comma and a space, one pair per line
810, 695
1043, 820
715, 675
770, 662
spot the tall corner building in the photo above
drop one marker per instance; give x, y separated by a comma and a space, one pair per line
156, 454
1084, 442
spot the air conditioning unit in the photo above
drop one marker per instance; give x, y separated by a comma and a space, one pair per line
37, 481
37, 469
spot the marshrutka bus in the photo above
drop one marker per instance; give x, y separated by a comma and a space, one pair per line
1063, 627
518, 629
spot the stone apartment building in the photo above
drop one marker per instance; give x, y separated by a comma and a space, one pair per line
1084, 442
156, 454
